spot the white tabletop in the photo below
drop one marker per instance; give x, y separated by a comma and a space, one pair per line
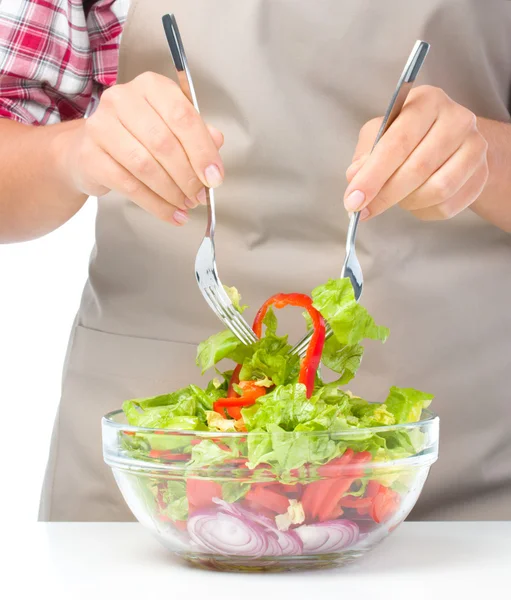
98, 560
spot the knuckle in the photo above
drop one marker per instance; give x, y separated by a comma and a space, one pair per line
140, 162
446, 211
424, 166
470, 119
129, 185
161, 140
184, 114
112, 95
193, 185
147, 79
466, 118
482, 144
402, 142
434, 96
443, 187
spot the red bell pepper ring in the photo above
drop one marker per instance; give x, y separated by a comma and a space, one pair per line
235, 379
168, 455
232, 403
312, 358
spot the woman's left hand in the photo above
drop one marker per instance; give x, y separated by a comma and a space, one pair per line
432, 161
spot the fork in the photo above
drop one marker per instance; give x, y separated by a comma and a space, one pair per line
205, 262
351, 267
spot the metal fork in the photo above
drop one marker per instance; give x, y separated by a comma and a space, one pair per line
205, 263
351, 267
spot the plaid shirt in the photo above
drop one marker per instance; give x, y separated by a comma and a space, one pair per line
56, 56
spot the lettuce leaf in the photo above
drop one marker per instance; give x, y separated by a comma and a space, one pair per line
270, 360
217, 347
176, 500
350, 322
208, 453
234, 490
407, 404
342, 359
235, 298
286, 406
160, 411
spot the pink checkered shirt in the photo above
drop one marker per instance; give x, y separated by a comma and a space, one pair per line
56, 56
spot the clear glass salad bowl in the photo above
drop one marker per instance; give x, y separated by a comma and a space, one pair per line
199, 495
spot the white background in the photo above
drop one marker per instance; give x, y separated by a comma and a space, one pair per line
41, 284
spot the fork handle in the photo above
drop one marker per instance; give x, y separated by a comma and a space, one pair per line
179, 58
184, 78
404, 86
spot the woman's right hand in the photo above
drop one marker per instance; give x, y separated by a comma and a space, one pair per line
147, 141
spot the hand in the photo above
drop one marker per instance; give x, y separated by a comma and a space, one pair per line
147, 141
432, 161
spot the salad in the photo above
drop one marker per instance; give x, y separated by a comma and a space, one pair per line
289, 473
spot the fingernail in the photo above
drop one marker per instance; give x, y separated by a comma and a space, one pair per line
364, 214
180, 217
355, 200
190, 203
213, 176
201, 197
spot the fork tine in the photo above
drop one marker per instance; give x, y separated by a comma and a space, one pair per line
235, 315
242, 323
224, 313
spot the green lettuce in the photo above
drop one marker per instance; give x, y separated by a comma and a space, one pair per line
333, 418
176, 500
407, 404
344, 360
217, 347
234, 490
235, 298
160, 412
350, 322
209, 453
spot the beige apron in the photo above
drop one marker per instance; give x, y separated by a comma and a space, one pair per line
290, 83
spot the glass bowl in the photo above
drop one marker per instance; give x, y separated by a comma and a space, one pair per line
202, 499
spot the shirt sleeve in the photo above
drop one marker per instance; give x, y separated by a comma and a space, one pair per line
55, 59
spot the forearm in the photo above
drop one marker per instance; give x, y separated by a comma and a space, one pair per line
494, 204
36, 189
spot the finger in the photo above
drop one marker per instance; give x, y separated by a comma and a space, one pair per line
366, 138
187, 125
146, 125
450, 177
396, 145
459, 202
125, 149
355, 167
441, 142
217, 136
115, 177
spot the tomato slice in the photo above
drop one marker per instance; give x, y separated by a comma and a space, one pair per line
269, 499
200, 492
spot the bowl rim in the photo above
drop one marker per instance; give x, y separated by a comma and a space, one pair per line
428, 418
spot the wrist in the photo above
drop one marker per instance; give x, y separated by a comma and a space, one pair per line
63, 148
494, 204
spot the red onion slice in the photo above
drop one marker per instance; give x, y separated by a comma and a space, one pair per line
226, 534
331, 536
288, 543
